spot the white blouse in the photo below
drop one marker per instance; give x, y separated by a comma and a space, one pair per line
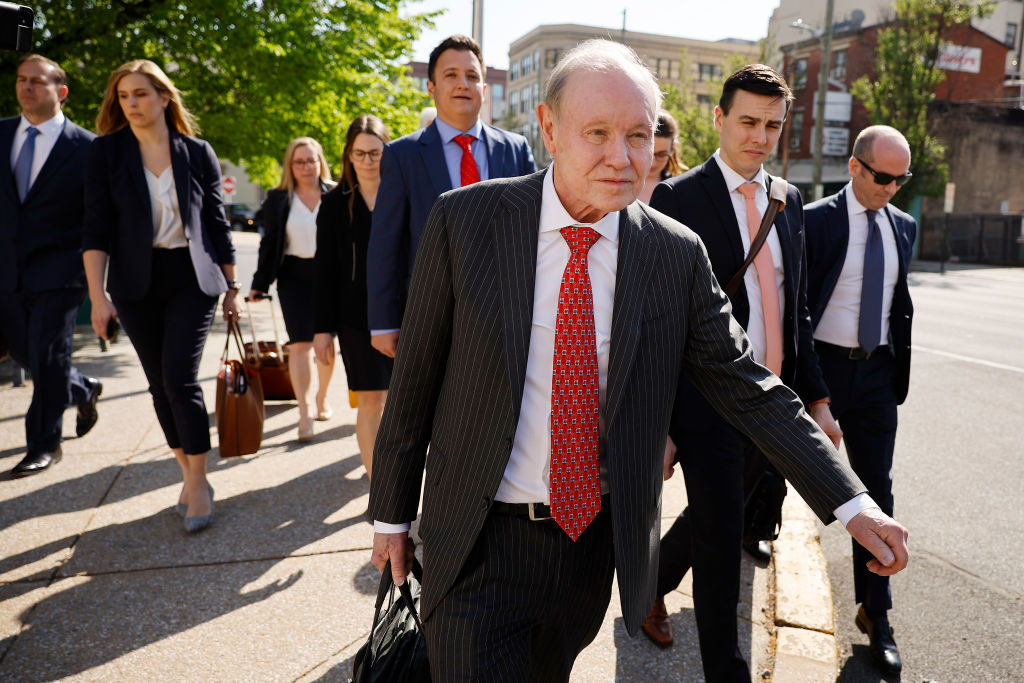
168, 232
300, 230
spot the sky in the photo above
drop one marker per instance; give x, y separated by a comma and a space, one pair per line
507, 20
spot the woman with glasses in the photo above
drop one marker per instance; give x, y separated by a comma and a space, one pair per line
286, 255
666, 157
339, 289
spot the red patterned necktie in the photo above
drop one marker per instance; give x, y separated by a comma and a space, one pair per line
575, 480
468, 172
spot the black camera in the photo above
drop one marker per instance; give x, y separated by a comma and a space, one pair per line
15, 27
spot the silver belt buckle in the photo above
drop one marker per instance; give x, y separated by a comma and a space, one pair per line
533, 517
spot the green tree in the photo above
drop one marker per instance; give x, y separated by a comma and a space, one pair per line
256, 73
904, 83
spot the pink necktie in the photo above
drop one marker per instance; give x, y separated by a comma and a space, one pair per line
575, 480
769, 290
468, 172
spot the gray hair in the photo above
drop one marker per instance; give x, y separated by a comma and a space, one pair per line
863, 146
603, 56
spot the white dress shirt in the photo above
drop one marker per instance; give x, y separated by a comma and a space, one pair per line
300, 229
840, 321
755, 325
49, 132
168, 232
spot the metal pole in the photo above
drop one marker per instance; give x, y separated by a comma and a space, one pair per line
478, 22
819, 110
623, 41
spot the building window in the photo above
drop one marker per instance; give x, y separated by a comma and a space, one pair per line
513, 101
513, 71
526, 64
708, 72
497, 92
524, 100
536, 60
536, 94
1011, 35
796, 130
800, 73
838, 65
551, 57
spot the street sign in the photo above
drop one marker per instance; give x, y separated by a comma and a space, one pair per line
950, 194
228, 185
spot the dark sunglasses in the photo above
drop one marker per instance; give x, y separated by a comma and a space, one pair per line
886, 178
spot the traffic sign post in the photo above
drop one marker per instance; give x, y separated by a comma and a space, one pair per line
228, 185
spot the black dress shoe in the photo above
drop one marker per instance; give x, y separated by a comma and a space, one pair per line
883, 648
33, 463
759, 550
87, 413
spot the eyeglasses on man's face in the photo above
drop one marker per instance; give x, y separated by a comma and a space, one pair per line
305, 162
886, 178
372, 155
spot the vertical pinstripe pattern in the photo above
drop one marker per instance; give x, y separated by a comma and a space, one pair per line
461, 366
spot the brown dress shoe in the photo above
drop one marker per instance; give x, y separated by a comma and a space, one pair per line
657, 625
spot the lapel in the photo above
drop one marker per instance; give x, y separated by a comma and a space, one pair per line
495, 167
837, 221
180, 165
58, 155
718, 192
636, 259
432, 153
901, 248
130, 148
7, 184
515, 255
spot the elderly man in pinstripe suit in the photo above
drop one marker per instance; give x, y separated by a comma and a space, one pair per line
549, 320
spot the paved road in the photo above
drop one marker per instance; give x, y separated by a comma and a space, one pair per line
959, 482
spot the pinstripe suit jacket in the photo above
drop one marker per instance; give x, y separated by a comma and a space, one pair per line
461, 368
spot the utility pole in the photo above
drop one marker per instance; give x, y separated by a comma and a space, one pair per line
478, 23
623, 38
819, 110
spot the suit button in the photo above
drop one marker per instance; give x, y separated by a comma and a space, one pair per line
485, 503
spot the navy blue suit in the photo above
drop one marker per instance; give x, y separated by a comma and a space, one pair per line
42, 283
864, 393
714, 456
413, 174
165, 298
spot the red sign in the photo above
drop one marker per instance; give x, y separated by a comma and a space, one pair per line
228, 184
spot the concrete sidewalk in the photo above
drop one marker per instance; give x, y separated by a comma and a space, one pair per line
99, 581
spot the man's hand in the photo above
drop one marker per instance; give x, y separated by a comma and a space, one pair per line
822, 414
670, 458
386, 343
397, 548
884, 537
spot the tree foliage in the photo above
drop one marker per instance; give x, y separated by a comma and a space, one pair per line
256, 73
904, 84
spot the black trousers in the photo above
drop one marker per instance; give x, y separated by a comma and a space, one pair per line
707, 536
168, 328
39, 328
864, 404
526, 603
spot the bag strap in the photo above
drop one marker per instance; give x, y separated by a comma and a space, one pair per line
778, 188
387, 582
273, 319
234, 332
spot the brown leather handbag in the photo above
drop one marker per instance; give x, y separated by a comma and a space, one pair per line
240, 411
271, 359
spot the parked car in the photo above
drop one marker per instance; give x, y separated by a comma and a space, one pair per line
241, 217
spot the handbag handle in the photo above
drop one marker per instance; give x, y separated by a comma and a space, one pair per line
778, 189
386, 584
234, 332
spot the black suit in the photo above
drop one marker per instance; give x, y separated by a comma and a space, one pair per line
458, 386
42, 284
864, 393
713, 454
165, 298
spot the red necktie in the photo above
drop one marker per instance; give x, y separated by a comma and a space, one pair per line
765, 267
468, 171
575, 480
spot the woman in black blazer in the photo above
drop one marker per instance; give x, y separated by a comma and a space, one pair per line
286, 254
154, 214
339, 287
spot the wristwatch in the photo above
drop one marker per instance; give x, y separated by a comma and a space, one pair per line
235, 285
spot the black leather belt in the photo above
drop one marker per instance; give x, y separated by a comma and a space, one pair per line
856, 353
534, 511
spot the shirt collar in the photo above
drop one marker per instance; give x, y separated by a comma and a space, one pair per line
554, 217
853, 207
734, 179
448, 132
50, 127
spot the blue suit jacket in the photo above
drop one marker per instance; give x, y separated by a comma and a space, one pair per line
700, 200
119, 218
828, 235
41, 239
413, 174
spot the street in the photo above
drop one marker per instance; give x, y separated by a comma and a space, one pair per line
958, 478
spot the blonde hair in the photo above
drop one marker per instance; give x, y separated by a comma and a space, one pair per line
111, 117
287, 179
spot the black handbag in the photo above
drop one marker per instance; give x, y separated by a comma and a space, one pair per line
762, 511
395, 651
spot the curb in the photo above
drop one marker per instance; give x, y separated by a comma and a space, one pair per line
805, 645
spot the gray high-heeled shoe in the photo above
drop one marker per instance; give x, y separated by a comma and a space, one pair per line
182, 508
